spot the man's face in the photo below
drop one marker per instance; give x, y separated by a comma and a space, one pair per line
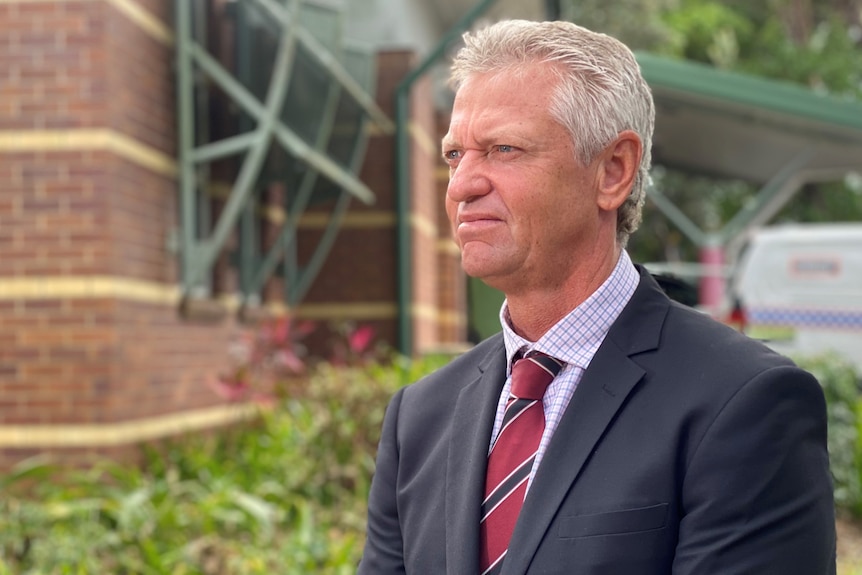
522, 208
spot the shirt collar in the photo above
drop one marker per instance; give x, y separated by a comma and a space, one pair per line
577, 336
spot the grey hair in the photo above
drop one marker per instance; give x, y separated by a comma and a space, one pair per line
600, 94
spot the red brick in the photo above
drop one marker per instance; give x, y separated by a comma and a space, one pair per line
95, 213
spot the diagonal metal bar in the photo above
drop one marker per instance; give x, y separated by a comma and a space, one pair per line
250, 169
325, 58
324, 164
674, 214
285, 136
223, 148
199, 254
332, 227
773, 188
322, 250
778, 199
287, 235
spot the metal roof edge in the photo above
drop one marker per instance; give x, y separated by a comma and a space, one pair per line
757, 92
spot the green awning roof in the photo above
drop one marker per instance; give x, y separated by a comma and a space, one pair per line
735, 125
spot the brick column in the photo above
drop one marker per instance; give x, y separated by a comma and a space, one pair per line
452, 291
358, 283
94, 354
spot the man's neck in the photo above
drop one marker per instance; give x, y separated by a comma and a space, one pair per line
535, 311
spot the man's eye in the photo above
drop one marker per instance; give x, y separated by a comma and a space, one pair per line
505, 149
451, 155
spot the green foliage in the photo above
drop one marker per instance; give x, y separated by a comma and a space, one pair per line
659, 240
815, 44
706, 31
836, 201
842, 385
282, 494
637, 22
818, 47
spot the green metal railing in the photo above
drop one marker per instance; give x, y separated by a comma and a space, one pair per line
270, 138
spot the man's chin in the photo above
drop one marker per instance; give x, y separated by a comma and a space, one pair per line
491, 277
478, 270
482, 261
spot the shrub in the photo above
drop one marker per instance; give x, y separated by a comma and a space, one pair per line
282, 494
841, 386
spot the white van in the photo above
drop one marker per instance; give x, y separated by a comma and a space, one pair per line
800, 289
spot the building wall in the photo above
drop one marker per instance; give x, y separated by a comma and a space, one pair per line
452, 282
392, 25
424, 203
96, 354
360, 277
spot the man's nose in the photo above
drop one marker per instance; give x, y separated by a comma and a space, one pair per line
470, 178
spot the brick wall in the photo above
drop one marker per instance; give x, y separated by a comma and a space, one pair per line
94, 352
452, 283
93, 341
363, 266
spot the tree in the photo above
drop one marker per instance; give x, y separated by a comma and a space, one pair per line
639, 23
815, 43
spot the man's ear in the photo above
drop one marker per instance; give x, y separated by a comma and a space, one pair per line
616, 170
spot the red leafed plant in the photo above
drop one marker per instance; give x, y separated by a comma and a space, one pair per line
354, 346
263, 359
266, 359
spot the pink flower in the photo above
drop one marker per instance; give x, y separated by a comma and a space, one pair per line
289, 360
360, 339
231, 389
280, 331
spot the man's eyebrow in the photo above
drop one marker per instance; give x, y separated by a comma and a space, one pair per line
448, 142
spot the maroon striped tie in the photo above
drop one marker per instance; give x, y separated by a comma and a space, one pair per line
512, 457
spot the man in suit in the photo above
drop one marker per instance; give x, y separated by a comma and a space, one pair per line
670, 444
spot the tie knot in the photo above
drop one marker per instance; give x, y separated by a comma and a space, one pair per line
532, 375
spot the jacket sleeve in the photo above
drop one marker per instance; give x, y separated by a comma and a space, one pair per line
383, 553
757, 495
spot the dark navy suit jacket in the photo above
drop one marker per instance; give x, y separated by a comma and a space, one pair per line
687, 449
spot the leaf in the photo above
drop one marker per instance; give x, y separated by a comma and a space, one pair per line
264, 512
32, 468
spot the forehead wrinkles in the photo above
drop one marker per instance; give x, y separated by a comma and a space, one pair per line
508, 86
503, 76
515, 103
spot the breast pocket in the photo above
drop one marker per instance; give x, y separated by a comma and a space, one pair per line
614, 522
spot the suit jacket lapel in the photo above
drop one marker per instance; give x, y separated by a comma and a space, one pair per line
603, 389
473, 421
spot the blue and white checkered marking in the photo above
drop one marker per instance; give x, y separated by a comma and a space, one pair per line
821, 318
